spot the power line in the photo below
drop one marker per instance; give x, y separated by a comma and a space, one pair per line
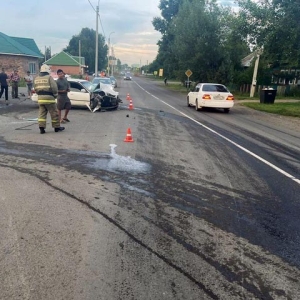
92, 5
101, 25
98, 16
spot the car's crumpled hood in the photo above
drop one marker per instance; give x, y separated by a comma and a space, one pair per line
106, 88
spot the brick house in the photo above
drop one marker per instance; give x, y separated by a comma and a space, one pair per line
71, 65
19, 53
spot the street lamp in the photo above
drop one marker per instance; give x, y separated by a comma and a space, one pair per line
108, 69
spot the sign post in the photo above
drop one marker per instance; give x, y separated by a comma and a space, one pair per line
188, 73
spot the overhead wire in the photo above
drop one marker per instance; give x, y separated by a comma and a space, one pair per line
98, 16
92, 5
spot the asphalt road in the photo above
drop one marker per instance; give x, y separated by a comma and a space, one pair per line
202, 205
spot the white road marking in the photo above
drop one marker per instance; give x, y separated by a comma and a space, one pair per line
227, 139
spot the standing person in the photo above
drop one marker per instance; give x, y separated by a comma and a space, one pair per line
14, 80
166, 80
46, 89
87, 77
63, 101
4, 85
29, 82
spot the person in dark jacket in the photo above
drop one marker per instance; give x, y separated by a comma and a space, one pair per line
4, 85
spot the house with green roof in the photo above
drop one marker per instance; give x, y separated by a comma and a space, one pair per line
72, 65
18, 53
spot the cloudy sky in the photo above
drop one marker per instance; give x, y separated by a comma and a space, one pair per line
53, 23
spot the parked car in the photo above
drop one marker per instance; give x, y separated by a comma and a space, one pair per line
81, 92
105, 80
210, 95
127, 76
113, 81
105, 84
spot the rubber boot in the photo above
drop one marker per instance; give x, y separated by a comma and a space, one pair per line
42, 130
59, 129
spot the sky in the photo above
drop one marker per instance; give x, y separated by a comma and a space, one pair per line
53, 23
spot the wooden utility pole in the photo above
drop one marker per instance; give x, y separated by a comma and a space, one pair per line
253, 86
80, 72
96, 51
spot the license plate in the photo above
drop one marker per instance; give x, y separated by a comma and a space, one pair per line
218, 97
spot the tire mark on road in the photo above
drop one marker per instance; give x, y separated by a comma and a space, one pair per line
121, 228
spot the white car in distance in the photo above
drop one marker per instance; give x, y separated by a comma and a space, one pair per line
210, 95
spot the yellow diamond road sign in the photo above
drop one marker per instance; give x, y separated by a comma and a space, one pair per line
188, 73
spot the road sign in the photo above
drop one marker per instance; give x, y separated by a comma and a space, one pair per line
188, 73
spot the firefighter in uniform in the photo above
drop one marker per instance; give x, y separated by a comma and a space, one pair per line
46, 89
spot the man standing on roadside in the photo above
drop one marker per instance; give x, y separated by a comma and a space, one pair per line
4, 85
63, 101
14, 80
29, 81
46, 89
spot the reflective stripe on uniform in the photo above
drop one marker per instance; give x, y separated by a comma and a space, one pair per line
42, 120
55, 121
46, 101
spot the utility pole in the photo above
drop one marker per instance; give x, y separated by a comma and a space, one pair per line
80, 73
96, 51
108, 56
252, 90
113, 60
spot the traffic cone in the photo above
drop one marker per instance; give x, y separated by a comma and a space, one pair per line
128, 97
128, 136
130, 105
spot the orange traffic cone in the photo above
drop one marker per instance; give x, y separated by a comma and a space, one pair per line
130, 105
128, 136
128, 97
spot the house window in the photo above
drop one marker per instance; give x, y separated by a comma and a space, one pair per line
32, 68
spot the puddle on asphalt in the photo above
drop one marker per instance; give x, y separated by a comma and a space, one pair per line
115, 162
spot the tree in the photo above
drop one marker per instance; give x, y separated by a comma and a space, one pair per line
47, 53
87, 37
206, 41
200, 35
275, 27
166, 59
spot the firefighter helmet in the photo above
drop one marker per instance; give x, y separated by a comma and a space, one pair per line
45, 68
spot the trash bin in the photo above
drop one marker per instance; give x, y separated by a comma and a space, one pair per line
188, 83
267, 96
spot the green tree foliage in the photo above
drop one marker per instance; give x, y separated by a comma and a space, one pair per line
199, 35
206, 41
169, 9
47, 55
274, 26
211, 40
87, 37
166, 59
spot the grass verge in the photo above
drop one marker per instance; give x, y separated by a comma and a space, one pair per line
291, 109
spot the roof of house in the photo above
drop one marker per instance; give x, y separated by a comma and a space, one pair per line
64, 59
18, 46
246, 61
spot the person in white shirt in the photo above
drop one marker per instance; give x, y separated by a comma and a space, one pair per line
29, 82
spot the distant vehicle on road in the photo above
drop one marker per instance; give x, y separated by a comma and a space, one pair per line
105, 80
127, 76
113, 81
210, 95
